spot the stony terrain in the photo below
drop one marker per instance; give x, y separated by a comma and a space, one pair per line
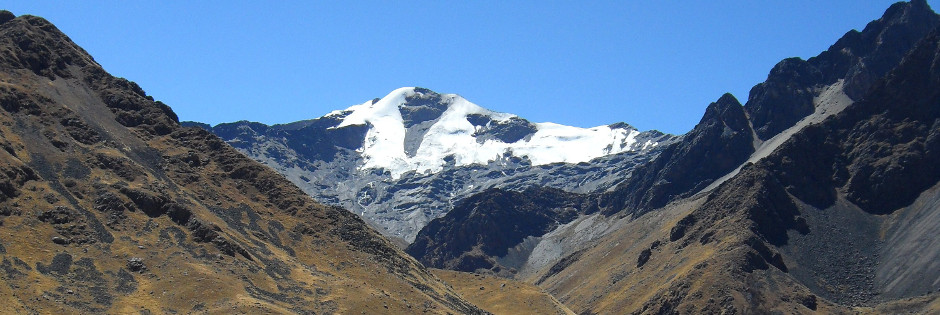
108, 205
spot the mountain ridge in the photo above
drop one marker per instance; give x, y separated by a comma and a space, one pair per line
414, 108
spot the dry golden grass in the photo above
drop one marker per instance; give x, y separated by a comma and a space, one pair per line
94, 173
500, 295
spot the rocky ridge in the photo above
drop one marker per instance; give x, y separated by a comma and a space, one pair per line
794, 232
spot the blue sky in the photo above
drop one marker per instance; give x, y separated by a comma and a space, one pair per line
653, 64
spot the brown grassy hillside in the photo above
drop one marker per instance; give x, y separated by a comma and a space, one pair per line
500, 295
107, 205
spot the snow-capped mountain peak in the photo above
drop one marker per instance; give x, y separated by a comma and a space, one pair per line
415, 129
409, 157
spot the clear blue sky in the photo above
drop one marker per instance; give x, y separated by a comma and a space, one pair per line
653, 64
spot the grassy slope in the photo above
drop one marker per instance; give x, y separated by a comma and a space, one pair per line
93, 163
500, 295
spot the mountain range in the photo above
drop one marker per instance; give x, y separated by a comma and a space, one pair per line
405, 159
777, 190
819, 194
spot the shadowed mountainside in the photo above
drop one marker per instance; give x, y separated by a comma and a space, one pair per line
507, 218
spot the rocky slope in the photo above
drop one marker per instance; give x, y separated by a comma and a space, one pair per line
822, 224
796, 93
783, 204
858, 58
455, 242
108, 205
405, 159
838, 218
721, 141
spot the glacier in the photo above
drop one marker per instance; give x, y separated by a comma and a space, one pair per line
453, 136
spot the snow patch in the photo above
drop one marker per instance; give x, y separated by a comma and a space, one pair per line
554, 143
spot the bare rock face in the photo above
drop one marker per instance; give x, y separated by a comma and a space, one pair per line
136, 264
103, 193
880, 152
454, 242
718, 144
6, 16
785, 98
824, 195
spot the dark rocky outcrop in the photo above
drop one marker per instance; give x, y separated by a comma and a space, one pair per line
784, 98
425, 105
12, 178
720, 142
455, 241
509, 131
878, 152
858, 58
6, 16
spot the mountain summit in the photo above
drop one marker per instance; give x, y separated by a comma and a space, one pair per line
407, 158
416, 129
